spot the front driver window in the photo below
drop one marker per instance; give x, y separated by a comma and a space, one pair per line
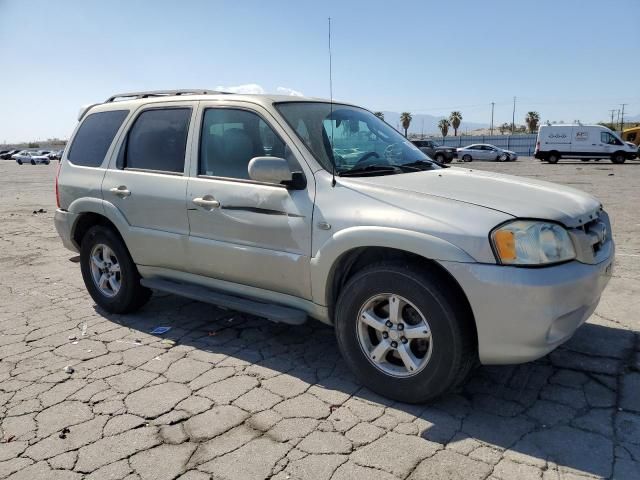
230, 138
607, 138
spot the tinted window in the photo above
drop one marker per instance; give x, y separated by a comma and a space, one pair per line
606, 137
231, 138
94, 137
158, 140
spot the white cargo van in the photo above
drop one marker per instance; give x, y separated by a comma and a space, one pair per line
581, 141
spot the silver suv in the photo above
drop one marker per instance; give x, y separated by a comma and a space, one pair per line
289, 207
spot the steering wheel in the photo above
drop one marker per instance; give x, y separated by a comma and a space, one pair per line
393, 152
365, 157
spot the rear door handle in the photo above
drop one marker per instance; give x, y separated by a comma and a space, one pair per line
120, 191
207, 202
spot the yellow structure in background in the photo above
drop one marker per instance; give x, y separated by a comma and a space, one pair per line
631, 135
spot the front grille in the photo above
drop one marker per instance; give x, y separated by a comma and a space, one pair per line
597, 233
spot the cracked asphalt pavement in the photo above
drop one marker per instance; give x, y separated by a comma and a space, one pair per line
228, 396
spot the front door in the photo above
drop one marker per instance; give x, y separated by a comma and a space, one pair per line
243, 231
147, 184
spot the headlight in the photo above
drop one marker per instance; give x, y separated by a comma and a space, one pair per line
525, 242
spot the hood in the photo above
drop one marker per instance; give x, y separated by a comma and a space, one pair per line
517, 196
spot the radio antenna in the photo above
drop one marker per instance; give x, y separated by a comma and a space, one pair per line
333, 160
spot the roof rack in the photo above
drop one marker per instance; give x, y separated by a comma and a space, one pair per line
161, 93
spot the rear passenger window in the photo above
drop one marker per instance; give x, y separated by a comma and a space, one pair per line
94, 137
158, 140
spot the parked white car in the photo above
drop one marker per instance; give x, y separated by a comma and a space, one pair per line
582, 142
33, 158
484, 151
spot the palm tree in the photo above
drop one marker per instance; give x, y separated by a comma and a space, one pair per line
504, 127
380, 115
455, 118
532, 119
444, 125
405, 120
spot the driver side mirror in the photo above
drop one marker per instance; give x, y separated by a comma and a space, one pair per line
275, 170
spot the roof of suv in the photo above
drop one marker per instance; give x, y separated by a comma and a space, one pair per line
144, 98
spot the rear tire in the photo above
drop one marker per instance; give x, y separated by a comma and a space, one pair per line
553, 157
130, 295
467, 158
19, 162
33, 162
441, 362
618, 157
440, 158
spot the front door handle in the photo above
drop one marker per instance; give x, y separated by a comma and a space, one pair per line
207, 202
120, 191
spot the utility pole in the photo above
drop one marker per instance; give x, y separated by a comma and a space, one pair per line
613, 110
618, 117
513, 117
492, 105
622, 118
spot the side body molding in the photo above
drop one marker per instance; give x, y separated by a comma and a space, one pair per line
343, 241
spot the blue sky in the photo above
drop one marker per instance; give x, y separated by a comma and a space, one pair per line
566, 59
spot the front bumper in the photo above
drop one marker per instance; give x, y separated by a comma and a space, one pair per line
64, 222
522, 314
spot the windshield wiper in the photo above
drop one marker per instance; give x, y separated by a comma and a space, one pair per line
371, 170
425, 163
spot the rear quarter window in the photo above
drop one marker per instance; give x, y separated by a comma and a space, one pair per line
94, 137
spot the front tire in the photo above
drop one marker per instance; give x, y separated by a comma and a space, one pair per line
401, 334
109, 273
33, 162
618, 157
467, 158
440, 158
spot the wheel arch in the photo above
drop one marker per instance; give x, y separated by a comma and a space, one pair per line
93, 211
352, 261
87, 220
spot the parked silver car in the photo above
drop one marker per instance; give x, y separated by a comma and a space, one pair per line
484, 151
32, 157
258, 203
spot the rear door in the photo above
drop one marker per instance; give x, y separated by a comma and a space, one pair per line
147, 183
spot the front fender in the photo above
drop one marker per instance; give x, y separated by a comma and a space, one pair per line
341, 242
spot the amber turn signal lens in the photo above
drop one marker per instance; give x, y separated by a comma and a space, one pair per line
505, 244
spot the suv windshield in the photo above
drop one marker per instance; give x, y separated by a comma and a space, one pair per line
353, 139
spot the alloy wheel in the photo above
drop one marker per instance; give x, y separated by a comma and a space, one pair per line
105, 270
394, 335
